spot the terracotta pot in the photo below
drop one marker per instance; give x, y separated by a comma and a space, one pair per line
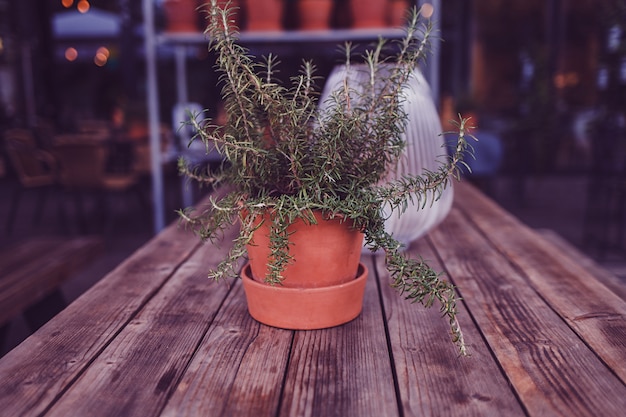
314, 14
181, 15
326, 253
397, 14
264, 14
368, 13
304, 308
235, 17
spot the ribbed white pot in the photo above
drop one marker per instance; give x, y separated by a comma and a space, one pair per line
425, 150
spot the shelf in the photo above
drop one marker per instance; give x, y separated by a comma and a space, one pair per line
287, 36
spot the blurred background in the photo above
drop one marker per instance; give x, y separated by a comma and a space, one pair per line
92, 93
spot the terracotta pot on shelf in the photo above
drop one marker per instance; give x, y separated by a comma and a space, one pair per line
234, 18
397, 13
264, 14
323, 287
368, 13
181, 16
314, 14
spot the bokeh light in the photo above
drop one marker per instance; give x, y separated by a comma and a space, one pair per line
83, 6
104, 51
71, 54
427, 10
100, 59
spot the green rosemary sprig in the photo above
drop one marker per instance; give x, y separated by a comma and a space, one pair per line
289, 154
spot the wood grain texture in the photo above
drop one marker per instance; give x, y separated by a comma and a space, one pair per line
14, 257
595, 312
343, 371
139, 369
41, 368
551, 369
611, 281
38, 266
238, 369
156, 338
432, 379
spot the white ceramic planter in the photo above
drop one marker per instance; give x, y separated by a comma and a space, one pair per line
424, 151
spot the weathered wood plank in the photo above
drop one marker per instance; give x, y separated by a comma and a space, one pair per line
14, 257
595, 312
238, 369
611, 281
552, 371
138, 370
37, 267
343, 371
432, 379
43, 366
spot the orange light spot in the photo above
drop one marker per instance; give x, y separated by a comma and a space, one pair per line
427, 10
71, 54
83, 6
104, 51
100, 59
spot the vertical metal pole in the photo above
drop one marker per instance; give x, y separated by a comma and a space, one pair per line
181, 74
431, 71
153, 116
436, 51
182, 97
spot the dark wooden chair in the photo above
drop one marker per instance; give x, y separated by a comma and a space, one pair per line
83, 172
32, 272
35, 167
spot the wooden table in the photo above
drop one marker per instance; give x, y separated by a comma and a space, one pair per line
156, 338
32, 272
35, 267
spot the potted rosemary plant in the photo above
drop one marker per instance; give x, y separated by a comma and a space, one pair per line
296, 167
